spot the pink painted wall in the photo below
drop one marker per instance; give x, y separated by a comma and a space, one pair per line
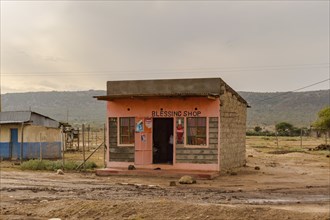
144, 108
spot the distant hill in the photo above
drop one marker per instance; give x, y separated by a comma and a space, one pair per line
80, 106
299, 108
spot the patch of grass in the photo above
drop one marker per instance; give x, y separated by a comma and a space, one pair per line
260, 146
54, 165
291, 139
285, 151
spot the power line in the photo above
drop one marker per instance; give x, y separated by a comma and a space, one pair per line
262, 100
173, 71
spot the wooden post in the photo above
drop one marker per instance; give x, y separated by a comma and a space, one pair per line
301, 138
40, 148
104, 148
88, 136
67, 114
326, 136
63, 138
91, 140
96, 138
78, 139
276, 139
83, 142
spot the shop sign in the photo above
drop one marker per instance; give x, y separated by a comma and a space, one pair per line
162, 113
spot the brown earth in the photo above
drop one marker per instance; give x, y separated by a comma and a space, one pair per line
292, 185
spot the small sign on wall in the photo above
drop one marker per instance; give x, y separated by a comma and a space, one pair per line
139, 127
147, 125
143, 138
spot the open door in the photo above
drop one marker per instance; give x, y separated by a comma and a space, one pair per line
163, 140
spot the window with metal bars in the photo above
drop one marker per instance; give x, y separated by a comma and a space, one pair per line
126, 130
196, 131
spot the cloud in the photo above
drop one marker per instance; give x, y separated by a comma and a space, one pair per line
48, 84
50, 37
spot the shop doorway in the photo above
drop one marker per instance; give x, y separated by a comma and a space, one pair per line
162, 135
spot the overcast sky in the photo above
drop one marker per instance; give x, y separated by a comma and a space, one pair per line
253, 46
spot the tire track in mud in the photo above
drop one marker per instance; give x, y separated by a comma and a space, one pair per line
116, 191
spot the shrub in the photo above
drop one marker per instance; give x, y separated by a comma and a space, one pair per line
262, 133
54, 165
90, 165
36, 165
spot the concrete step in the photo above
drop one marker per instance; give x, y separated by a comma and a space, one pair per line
157, 173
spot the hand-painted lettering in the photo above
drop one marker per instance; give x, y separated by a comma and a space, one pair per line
164, 113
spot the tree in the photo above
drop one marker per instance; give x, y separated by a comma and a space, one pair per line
257, 129
284, 128
323, 121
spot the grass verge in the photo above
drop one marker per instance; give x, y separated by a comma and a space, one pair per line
54, 165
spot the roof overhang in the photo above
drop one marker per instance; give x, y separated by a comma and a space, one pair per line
15, 122
211, 96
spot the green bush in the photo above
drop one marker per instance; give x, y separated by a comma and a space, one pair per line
261, 133
37, 165
90, 165
71, 165
54, 165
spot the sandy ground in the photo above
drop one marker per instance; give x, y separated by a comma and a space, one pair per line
287, 186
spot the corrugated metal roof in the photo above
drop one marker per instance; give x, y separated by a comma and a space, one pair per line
15, 116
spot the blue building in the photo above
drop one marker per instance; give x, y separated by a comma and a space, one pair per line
29, 135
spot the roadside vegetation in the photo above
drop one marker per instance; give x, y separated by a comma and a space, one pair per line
55, 165
281, 129
283, 145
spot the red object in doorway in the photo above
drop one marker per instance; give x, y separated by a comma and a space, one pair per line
179, 133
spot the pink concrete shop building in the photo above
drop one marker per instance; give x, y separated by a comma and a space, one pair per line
181, 124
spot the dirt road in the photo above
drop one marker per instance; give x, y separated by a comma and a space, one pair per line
287, 186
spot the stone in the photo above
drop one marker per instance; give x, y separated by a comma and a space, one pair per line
250, 155
257, 168
233, 173
131, 167
59, 172
187, 180
172, 183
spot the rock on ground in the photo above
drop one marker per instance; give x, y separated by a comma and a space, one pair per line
131, 167
187, 180
60, 172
